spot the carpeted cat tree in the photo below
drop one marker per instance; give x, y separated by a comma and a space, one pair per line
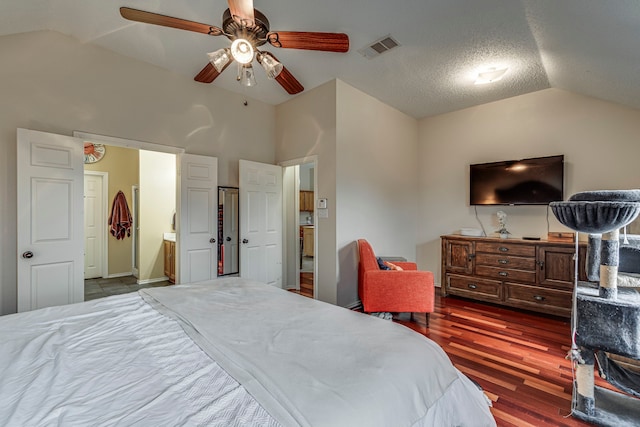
606, 310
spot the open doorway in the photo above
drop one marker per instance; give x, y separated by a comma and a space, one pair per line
301, 228
306, 210
146, 181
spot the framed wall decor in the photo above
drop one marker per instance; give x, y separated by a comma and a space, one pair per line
93, 152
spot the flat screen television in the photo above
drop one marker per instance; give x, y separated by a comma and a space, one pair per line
536, 181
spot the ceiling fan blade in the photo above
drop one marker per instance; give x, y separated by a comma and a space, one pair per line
286, 79
242, 11
168, 21
209, 73
288, 82
329, 42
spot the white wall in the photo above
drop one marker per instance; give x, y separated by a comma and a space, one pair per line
157, 205
51, 82
306, 126
306, 176
367, 171
377, 183
598, 139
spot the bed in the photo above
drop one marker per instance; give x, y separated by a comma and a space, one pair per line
228, 352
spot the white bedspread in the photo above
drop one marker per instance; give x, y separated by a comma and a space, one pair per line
294, 361
113, 362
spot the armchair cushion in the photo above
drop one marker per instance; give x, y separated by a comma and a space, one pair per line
407, 290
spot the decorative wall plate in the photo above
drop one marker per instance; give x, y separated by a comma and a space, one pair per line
93, 152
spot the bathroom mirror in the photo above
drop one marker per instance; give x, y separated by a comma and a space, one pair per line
228, 251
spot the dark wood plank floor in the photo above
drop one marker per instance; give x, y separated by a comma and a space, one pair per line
517, 357
306, 285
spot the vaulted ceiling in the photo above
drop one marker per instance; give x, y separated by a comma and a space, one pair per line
584, 46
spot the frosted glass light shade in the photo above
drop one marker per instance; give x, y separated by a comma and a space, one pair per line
272, 67
220, 58
242, 51
246, 76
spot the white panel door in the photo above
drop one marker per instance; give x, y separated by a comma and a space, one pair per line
50, 220
261, 222
95, 224
198, 218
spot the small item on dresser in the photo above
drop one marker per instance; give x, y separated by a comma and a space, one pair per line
502, 221
530, 238
475, 232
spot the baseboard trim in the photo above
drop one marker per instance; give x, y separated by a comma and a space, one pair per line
147, 281
113, 276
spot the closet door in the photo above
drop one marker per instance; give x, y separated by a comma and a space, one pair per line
198, 218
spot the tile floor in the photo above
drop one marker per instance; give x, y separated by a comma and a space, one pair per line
100, 288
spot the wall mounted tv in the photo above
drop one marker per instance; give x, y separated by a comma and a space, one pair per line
536, 181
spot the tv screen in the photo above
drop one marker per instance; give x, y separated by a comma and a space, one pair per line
536, 181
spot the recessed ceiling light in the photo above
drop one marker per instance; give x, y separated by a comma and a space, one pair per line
490, 75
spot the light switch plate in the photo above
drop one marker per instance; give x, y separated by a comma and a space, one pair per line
322, 203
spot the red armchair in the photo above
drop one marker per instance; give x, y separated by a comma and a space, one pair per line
394, 291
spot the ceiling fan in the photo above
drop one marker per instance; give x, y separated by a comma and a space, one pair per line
247, 29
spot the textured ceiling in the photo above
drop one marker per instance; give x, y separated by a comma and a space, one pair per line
584, 46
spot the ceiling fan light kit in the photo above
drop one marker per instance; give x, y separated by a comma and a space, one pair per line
272, 67
246, 76
242, 51
247, 29
220, 58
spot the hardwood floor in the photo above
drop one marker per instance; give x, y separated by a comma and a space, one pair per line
306, 284
517, 357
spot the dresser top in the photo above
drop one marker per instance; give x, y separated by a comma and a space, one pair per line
515, 240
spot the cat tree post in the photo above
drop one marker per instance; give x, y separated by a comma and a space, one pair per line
609, 249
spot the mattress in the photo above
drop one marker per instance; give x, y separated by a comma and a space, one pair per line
229, 352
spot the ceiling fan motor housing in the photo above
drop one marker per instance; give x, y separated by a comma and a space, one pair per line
254, 31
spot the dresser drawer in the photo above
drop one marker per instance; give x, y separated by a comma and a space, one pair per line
506, 261
506, 249
506, 273
473, 287
549, 301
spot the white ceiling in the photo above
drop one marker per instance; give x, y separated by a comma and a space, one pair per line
584, 46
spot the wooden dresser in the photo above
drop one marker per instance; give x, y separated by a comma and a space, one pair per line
535, 275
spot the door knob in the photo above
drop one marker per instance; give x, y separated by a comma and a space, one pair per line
245, 241
212, 240
27, 254
228, 239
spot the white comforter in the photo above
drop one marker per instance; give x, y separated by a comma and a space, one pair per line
280, 359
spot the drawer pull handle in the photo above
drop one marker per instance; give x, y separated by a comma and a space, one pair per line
538, 298
503, 249
503, 273
503, 261
472, 286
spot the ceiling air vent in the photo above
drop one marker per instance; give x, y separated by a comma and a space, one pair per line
379, 47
